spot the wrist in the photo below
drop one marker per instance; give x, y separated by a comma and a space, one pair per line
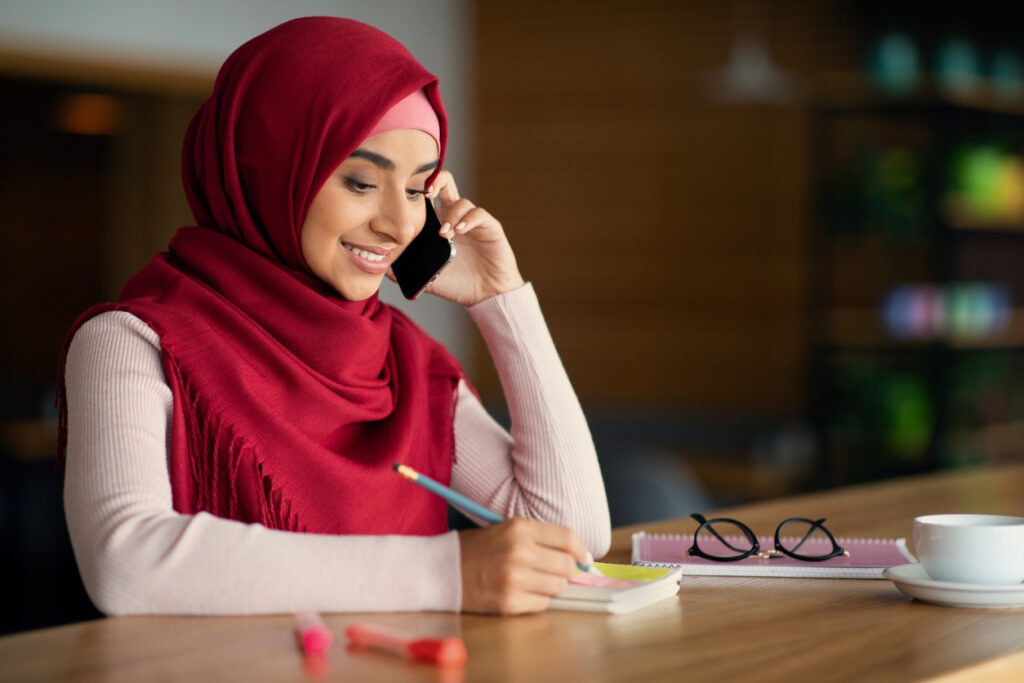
507, 285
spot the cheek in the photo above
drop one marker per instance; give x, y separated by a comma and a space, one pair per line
307, 243
315, 240
318, 228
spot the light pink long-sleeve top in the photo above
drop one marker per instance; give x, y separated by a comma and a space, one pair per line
137, 555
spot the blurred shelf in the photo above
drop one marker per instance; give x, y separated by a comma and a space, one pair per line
997, 442
957, 214
969, 224
863, 328
846, 92
904, 199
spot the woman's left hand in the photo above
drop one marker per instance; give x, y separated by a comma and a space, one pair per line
484, 264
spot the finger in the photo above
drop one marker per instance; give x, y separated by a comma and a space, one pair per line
476, 217
447, 190
463, 216
548, 585
542, 547
554, 562
440, 180
564, 541
525, 589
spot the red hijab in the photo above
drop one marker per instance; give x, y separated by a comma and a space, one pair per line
291, 403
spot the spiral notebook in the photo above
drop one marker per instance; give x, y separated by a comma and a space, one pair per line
868, 558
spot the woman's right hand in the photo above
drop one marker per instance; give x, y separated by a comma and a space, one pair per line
517, 566
484, 265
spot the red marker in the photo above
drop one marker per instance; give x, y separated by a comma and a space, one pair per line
440, 651
312, 633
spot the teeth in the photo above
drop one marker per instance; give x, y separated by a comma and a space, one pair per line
361, 253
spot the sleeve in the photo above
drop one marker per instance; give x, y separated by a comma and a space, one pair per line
137, 555
546, 467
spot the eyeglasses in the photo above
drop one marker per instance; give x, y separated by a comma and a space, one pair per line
728, 540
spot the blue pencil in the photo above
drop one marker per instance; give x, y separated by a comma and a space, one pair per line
459, 500
456, 499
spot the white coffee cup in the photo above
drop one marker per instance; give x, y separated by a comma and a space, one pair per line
982, 549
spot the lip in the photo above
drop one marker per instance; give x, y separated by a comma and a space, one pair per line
364, 264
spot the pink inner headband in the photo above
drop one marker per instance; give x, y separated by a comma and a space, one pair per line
412, 112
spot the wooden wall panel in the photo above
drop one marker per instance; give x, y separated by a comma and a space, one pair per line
665, 232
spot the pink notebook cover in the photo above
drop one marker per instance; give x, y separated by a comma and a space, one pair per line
868, 558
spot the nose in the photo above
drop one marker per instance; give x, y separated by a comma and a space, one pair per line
396, 218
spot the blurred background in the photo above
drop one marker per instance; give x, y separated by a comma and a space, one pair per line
779, 243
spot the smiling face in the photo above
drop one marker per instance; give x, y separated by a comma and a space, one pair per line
368, 211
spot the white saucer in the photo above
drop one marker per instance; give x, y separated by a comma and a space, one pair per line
912, 580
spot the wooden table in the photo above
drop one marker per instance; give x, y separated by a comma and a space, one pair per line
719, 629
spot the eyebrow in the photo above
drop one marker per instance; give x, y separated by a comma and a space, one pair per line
387, 164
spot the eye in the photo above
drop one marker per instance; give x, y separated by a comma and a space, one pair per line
415, 194
358, 186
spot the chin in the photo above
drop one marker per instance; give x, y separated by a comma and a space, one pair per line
357, 293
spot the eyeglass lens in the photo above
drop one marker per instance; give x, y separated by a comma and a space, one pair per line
805, 538
724, 539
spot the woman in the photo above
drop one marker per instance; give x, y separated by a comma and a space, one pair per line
229, 426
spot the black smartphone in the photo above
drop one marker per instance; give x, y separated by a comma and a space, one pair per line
424, 258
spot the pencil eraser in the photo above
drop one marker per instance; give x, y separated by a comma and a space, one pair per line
441, 651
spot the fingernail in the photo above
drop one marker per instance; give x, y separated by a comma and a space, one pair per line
589, 559
460, 227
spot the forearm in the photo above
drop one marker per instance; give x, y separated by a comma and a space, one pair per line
137, 555
547, 468
163, 563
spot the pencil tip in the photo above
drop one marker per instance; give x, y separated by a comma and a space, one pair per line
396, 466
406, 471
